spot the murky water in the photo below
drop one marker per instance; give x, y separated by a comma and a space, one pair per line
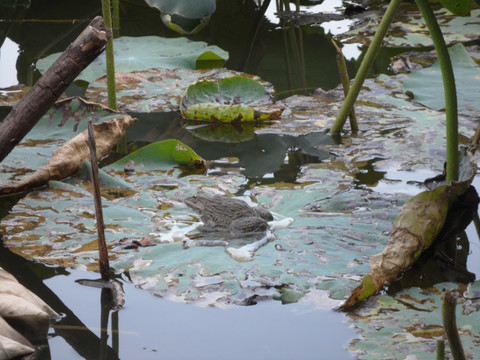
150, 327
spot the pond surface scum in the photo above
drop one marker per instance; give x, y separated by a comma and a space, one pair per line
333, 198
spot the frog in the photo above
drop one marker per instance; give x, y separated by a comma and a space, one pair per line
228, 214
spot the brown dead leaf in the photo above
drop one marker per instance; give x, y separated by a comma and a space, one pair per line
66, 160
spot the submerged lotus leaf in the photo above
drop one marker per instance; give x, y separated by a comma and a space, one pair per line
235, 98
154, 89
146, 52
228, 133
409, 323
426, 85
409, 29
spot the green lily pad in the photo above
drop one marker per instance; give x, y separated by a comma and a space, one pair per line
235, 98
155, 89
427, 84
143, 53
161, 154
458, 7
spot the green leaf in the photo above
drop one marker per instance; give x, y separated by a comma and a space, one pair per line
458, 7
235, 98
427, 84
153, 90
160, 155
143, 53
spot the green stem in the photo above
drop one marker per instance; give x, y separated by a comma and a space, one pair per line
116, 19
112, 97
364, 67
448, 86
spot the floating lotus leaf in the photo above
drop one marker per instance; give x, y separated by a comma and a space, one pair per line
409, 323
235, 98
458, 7
160, 154
143, 53
426, 85
409, 29
154, 89
339, 222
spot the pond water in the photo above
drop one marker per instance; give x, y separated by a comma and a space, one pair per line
150, 327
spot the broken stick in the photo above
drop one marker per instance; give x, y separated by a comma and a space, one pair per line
26, 113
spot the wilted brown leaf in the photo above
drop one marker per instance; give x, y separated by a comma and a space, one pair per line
66, 160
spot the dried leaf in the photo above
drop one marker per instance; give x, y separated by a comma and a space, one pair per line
415, 229
67, 159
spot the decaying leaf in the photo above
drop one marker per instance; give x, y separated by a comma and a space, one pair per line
415, 229
25, 309
13, 344
66, 160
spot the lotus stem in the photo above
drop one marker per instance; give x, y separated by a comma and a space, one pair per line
364, 67
451, 110
345, 79
112, 96
450, 325
440, 350
116, 19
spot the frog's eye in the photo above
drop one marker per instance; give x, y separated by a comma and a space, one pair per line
194, 197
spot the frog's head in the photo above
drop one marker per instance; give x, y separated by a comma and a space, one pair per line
197, 202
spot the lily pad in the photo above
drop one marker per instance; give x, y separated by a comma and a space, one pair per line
408, 324
143, 53
156, 89
409, 30
458, 7
235, 98
427, 84
162, 154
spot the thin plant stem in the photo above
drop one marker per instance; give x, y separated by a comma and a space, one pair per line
344, 78
364, 67
451, 110
450, 325
112, 97
116, 19
102, 244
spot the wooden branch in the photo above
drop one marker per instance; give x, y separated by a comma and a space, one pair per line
26, 113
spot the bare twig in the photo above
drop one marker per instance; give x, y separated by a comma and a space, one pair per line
102, 245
